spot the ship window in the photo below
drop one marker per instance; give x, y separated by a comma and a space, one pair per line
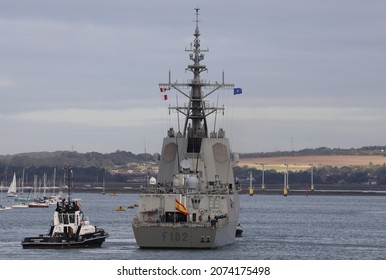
72, 218
65, 219
175, 217
181, 217
194, 145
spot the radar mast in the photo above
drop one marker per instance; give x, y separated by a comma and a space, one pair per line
197, 110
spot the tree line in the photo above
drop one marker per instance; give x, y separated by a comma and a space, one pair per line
88, 167
322, 175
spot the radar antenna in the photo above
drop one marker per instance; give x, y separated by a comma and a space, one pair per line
196, 110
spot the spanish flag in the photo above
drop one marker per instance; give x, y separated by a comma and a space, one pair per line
181, 208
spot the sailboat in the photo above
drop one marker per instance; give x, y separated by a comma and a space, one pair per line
38, 201
21, 197
12, 187
2, 208
54, 198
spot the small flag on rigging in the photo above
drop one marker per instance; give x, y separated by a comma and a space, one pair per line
237, 91
163, 89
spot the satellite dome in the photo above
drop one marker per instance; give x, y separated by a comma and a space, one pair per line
192, 182
176, 182
152, 181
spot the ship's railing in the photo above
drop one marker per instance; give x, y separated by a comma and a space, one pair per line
213, 223
185, 190
138, 222
203, 83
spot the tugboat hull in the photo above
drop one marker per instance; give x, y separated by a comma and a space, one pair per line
47, 242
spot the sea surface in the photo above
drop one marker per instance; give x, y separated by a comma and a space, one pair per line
296, 227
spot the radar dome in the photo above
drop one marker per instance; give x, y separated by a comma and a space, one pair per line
152, 181
186, 164
176, 182
192, 182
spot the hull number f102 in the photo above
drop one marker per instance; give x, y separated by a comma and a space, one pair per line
174, 236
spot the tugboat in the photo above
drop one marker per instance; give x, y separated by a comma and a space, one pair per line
70, 228
194, 202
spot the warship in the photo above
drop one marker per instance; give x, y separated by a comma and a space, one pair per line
194, 202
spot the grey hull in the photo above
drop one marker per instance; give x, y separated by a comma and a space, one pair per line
176, 236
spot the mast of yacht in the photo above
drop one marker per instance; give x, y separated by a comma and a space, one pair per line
54, 183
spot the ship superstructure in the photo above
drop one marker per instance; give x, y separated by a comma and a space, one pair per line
194, 201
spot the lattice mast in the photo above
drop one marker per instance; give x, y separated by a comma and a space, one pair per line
197, 109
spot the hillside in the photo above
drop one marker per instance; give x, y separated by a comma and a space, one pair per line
322, 151
331, 165
81, 160
111, 160
303, 162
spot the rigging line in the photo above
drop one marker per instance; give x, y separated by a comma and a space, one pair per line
163, 117
178, 115
198, 154
215, 116
178, 155
231, 122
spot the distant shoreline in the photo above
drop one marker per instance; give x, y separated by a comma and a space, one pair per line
354, 189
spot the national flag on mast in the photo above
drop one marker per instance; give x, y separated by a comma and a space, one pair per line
163, 89
237, 91
181, 208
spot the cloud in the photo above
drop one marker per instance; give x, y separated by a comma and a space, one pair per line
90, 117
92, 66
6, 84
311, 113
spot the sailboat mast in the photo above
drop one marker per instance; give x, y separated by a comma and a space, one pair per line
54, 186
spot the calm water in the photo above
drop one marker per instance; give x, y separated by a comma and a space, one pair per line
275, 227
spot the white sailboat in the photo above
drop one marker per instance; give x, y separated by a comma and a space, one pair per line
2, 208
38, 201
12, 187
54, 198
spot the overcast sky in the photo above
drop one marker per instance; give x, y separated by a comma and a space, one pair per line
84, 74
